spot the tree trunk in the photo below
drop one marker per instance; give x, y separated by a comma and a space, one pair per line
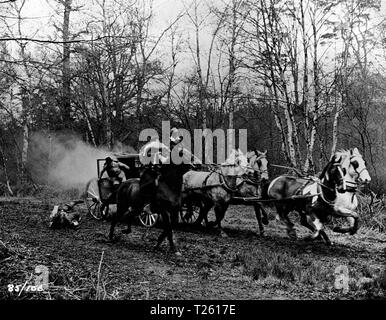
89, 127
4, 160
26, 106
309, 164
232, 74
24, 151
335, 130
107, 111
66, 72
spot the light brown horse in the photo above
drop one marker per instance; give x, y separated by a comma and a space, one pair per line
239, 176
317, 199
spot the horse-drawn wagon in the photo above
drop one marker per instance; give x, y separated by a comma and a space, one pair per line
315, 198
100, 192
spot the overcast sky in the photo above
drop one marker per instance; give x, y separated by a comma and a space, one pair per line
41, 13
164, 9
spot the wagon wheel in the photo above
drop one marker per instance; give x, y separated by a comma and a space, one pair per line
93, 200
147, 217
190, 217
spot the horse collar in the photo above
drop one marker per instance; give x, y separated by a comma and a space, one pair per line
328, 202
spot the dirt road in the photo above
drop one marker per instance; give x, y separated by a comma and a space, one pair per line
240, 266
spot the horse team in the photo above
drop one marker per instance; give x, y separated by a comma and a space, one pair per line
317, 199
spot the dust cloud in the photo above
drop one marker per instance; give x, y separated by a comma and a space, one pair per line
66, 161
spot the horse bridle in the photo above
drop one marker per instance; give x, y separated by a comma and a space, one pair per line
354, 185
353, 188
359, 173
257, 159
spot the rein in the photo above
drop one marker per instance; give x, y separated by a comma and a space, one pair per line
222, 183
225, 185
257, 199
354, 186
299, 173
347, 186
249, 181
216, 168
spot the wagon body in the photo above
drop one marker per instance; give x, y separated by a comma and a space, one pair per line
100, 192
105, 185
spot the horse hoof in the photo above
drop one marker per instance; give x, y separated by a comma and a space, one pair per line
223, 234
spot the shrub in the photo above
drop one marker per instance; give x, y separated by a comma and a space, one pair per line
372, 212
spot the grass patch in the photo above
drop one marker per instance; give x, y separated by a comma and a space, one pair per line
67, 280
288, 269
262, 263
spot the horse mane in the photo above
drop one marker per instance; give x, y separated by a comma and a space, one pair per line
347, 152
326, 168
342, 152
338, 154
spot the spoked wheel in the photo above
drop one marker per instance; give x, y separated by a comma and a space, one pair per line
192, 216
94, 202
147, 217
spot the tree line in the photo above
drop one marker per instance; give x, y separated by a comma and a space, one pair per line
305, 77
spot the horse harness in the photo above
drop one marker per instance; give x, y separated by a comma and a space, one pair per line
343, 187
259, 170
223, 183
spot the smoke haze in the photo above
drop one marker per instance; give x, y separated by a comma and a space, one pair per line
65, 160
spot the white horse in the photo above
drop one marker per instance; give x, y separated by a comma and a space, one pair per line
217, 188
316, 199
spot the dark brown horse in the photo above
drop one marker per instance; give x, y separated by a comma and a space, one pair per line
316, 200
158, 185
252, 187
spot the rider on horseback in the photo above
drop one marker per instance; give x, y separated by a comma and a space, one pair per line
156, 152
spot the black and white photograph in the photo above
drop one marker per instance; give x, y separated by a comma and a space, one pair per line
190, 155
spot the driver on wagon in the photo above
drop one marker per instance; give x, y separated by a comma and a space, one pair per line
115, 170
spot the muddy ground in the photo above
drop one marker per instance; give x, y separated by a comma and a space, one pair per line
240, 266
